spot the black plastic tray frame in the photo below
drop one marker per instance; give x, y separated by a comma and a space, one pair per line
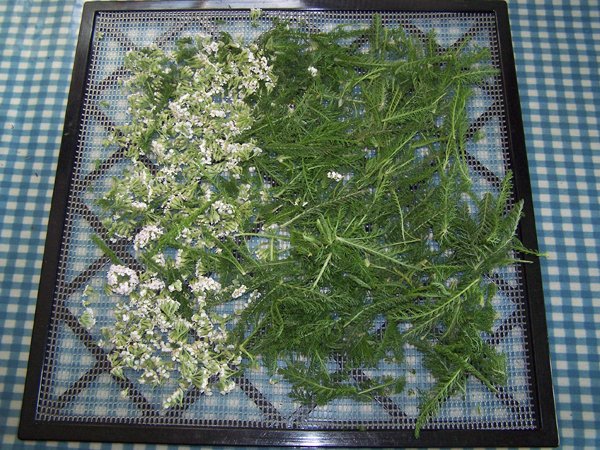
545, 434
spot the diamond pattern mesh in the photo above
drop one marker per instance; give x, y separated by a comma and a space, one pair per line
76, 382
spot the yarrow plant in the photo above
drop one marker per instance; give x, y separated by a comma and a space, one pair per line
301, 202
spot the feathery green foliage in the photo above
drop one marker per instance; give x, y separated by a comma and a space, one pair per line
403, 242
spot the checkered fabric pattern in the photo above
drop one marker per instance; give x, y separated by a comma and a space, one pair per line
557, 50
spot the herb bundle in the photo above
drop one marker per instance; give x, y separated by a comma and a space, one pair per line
317, 185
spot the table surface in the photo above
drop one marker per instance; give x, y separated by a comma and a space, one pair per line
557, 52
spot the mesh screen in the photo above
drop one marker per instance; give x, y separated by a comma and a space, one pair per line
76, 381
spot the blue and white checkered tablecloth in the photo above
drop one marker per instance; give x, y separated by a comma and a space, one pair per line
557, 50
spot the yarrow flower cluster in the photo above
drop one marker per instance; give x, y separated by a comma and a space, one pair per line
152, 336
205, 88
238, 292
146, 234
178, 212
203, 284
333, 175
122, 280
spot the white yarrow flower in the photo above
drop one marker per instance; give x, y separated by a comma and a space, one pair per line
313, 71
217, 113
212, 47
205, 284
154, 284
139, 205
122, 280
239, 291
146, 234
335, 175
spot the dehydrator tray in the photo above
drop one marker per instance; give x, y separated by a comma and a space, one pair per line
71, 393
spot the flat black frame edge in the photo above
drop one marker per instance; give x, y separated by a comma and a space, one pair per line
538, 329
265, 437
56, 222
311, 5
30, 429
